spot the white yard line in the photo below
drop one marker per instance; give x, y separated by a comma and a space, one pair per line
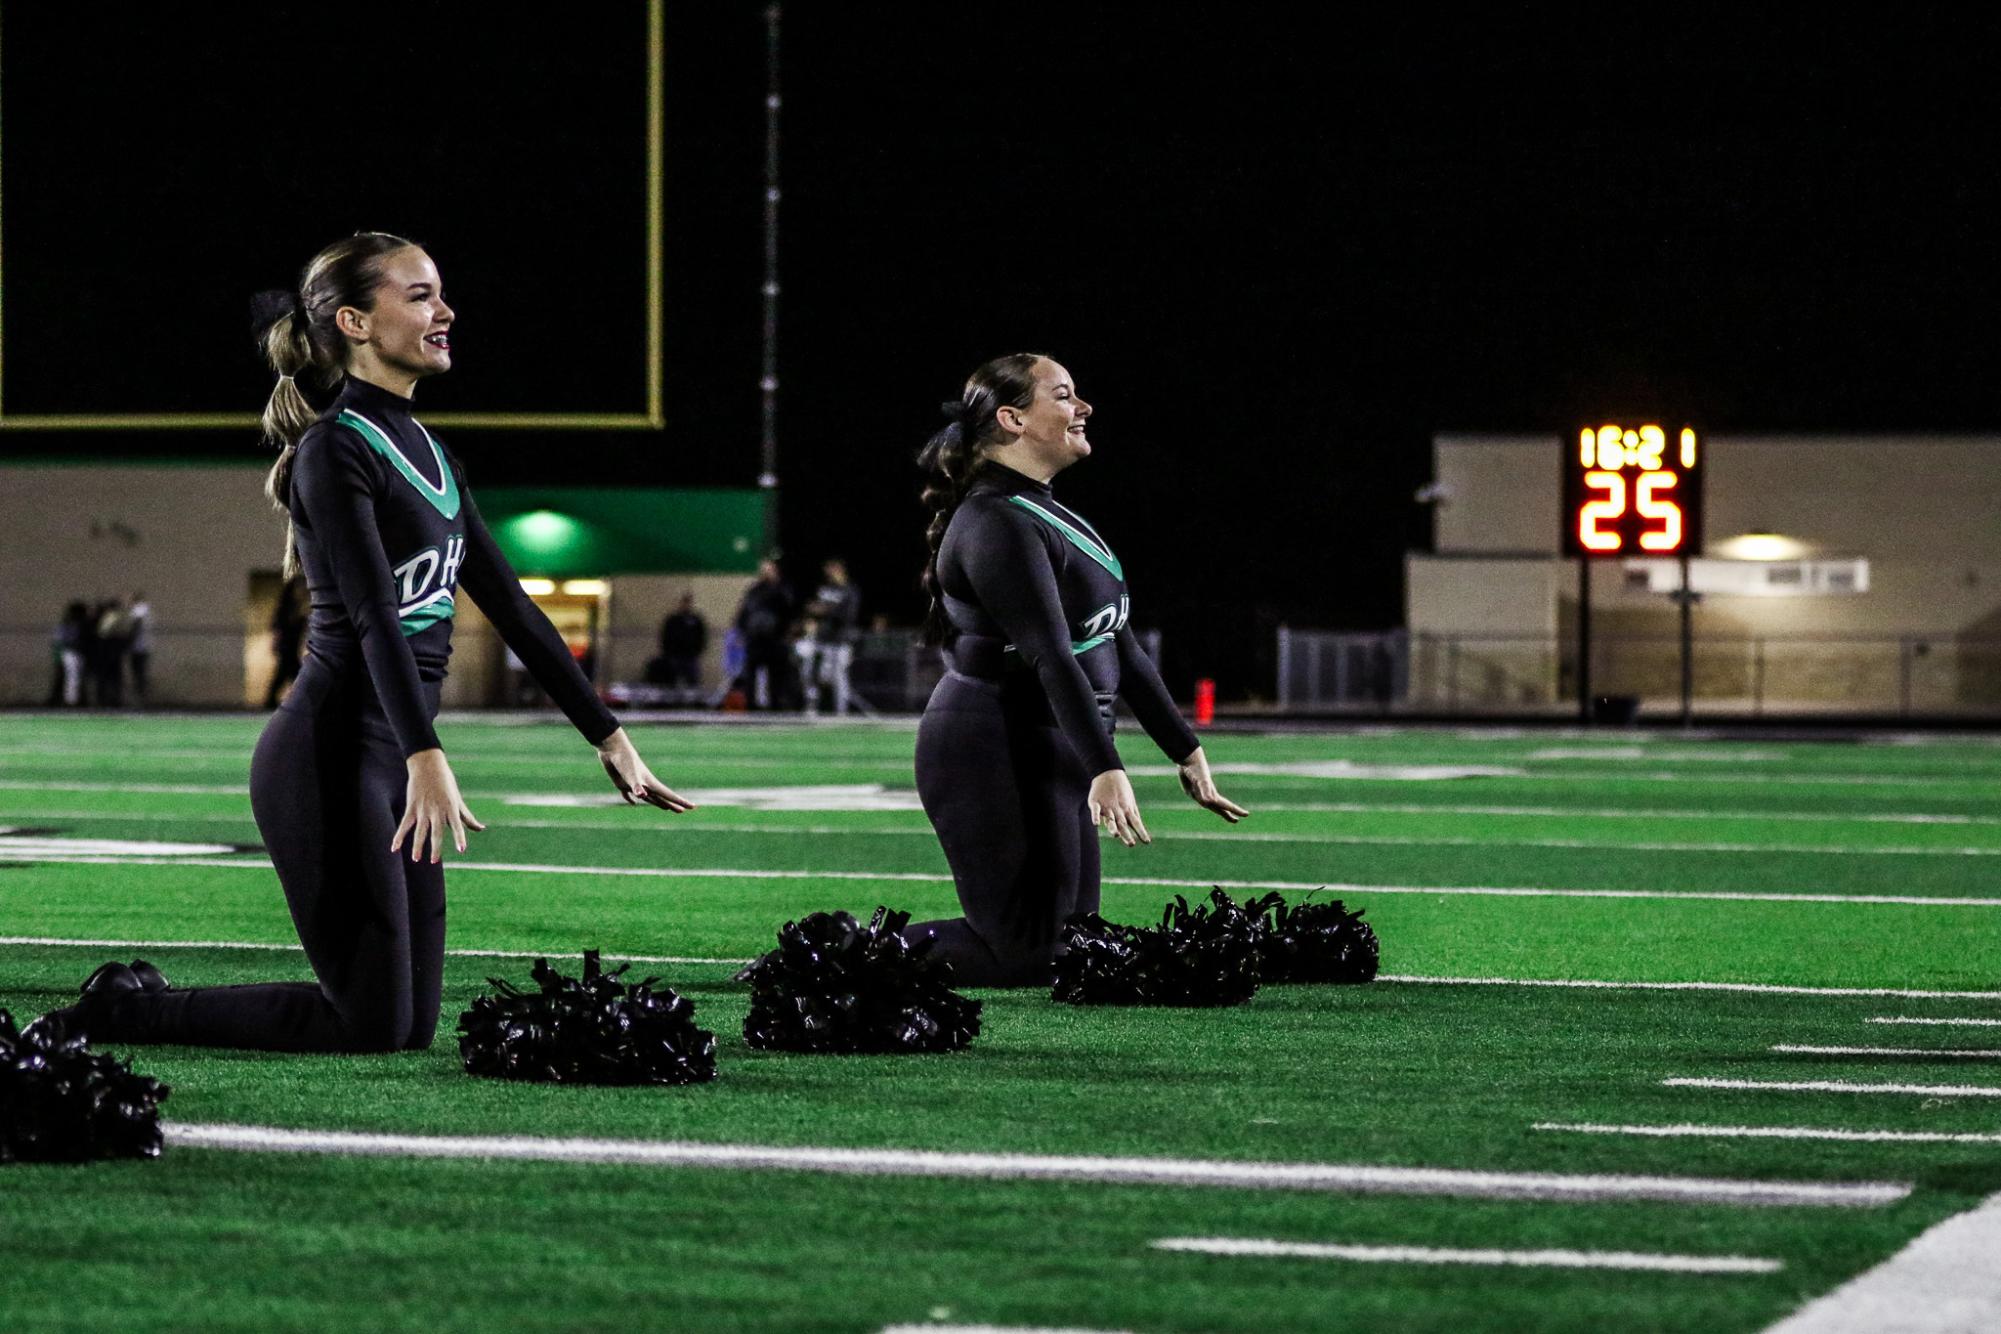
1573, 776
611, 959
256, 862
1935, 1023
156, 789
1436, 1255
1567, 777
543, 764
1308, 807
1837, 1086
15, 846
1945, 1282
994, 1329
1534, 892
1584, 844
1944, 1054
1773, 1132
1758, 988
1339, 1177
1395, 979
657, 826
1628, 814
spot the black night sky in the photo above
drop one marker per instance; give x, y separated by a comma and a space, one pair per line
1277, 261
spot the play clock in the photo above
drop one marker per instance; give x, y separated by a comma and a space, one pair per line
1632, 491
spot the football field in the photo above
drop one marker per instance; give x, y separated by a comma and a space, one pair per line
1672, 1034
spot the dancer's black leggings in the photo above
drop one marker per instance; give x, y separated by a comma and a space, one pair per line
1006, 794
327, 786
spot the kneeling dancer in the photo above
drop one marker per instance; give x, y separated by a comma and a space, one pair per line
1015, 759
349, 769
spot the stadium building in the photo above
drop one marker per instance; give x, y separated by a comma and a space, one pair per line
1850, 573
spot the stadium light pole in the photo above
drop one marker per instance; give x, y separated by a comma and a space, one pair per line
767, 477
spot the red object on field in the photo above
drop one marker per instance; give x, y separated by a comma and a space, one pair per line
1205, 702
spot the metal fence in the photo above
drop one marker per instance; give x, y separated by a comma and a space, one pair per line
230, 667
1906, 675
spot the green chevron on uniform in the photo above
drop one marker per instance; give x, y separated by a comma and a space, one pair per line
1097, 551
445, 499
440, 608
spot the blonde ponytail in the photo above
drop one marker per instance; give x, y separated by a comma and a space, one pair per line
288, 350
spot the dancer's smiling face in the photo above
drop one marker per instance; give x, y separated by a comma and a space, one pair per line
1049, 434
409, 328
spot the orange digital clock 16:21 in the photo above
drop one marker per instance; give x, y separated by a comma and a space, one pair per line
1632, 491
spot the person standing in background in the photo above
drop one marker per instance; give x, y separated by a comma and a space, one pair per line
68, 643
288, 634
139, 649
830, 651
108, 663
762, 619
683, 636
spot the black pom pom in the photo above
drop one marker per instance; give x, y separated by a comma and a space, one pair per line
1205, 955
60, 1102
1315, 941
597, 1030
834, 985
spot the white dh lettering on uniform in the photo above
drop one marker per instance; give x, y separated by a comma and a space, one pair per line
1108, 619
455, 553
414, 575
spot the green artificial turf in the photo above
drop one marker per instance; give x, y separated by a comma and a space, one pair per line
1398, 1073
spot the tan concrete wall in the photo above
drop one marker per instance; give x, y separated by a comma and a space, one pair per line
1484, 629
1501, 493
189, 537
1482, 596
192, 538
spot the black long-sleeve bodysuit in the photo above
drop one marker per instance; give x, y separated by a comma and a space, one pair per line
388, 534
1037, 652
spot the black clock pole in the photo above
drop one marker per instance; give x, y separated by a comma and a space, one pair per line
1687, 600
1584, 639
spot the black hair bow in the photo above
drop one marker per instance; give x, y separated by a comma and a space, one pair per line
267, 308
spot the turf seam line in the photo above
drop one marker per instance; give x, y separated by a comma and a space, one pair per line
1836, 1086
1363, 1179
1651, 1262
1690, 1131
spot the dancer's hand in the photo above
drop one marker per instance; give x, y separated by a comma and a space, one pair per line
1113, 806
431, 805
1201, 788
634, 781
